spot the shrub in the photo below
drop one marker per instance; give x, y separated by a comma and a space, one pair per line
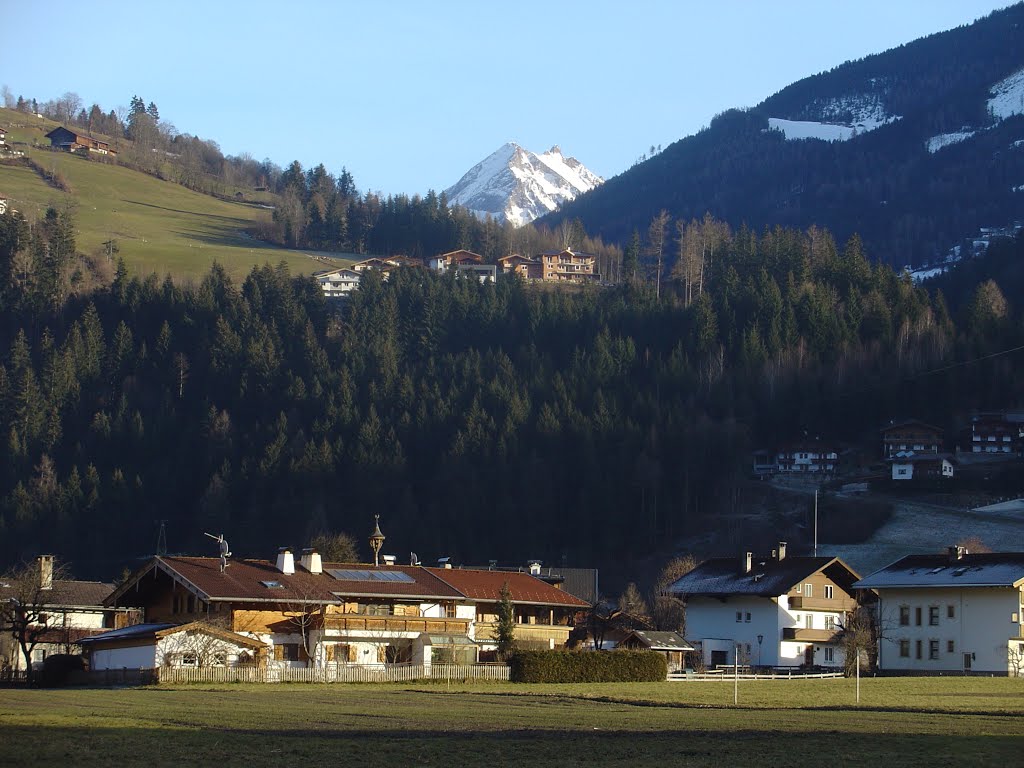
57, 667
587, 666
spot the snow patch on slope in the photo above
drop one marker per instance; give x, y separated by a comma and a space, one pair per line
841, 118
1008, 96
935, 143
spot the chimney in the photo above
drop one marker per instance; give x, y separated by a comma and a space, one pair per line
535, 567
390, 559
311, 560
746, 562
46, 571
782, 551
444, 562
285, 561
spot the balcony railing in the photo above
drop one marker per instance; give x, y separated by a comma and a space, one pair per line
822, 603
362, 623
804, 635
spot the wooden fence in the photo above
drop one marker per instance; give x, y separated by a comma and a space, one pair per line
334, 673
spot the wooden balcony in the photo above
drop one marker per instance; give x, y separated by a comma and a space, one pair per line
360, 623
803, 635
837, 604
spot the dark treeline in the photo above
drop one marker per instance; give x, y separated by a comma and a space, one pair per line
479, 421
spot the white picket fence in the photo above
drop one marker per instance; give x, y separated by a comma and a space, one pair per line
334, 673
788, 674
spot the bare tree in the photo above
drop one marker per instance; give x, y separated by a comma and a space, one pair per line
669, 609
9, 101
859, 635
656, 246
24, 594
632, 602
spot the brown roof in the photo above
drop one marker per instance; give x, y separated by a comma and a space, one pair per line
524, 588
244, 580
78, 593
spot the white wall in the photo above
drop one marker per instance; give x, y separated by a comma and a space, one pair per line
982, 625
713, 623
136, 657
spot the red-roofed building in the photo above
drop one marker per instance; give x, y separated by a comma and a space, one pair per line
310, 613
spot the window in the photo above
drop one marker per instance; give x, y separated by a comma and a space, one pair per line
746, 617
917, 615
933, 650
809, 621
830, 654
189, 659
904, 649
808, 590
449, 610
220, 659
950, 611
830, 622
828, 591
286, 652
191, 604
739, 616
904, 615
933, 615
917, 649
950, 646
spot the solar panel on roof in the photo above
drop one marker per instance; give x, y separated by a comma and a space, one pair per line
344, 574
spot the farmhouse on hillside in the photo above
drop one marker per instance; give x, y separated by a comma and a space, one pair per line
910, 437
776, 610
951, 612
73, 141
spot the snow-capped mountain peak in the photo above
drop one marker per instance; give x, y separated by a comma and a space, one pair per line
517, 185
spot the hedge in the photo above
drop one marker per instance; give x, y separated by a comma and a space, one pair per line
617, 666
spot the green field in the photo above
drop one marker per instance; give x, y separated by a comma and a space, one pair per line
900, 722
159, 226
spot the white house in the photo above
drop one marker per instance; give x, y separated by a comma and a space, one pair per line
338, 283
922, 466
777, 610
952, 612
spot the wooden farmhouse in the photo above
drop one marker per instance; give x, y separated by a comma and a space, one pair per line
308, 613
568, 266
73, 141
910, 437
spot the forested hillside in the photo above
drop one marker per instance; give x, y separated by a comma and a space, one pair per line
909, 200
479, 421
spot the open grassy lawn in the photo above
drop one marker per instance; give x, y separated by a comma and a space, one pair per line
159, 226
901, 722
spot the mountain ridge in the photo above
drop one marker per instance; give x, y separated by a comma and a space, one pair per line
516, 185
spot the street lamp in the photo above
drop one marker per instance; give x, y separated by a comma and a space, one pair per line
760, 639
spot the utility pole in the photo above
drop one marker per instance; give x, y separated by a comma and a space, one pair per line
815, 523
736, 676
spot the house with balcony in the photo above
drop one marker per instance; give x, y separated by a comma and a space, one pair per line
306, 612
338, 283
524, 266
807, 457
951, 612
568, 266
773, 611
910, 437
997, 432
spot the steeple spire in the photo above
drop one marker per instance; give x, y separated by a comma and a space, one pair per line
376, 540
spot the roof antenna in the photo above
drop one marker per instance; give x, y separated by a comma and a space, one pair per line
225, 553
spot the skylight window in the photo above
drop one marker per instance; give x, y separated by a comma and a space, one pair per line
272, 584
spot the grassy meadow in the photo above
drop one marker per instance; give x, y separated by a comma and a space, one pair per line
159, 226
900, 722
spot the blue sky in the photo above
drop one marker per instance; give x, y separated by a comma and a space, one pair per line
409, 95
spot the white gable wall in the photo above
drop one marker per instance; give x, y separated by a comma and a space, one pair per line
984, 619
